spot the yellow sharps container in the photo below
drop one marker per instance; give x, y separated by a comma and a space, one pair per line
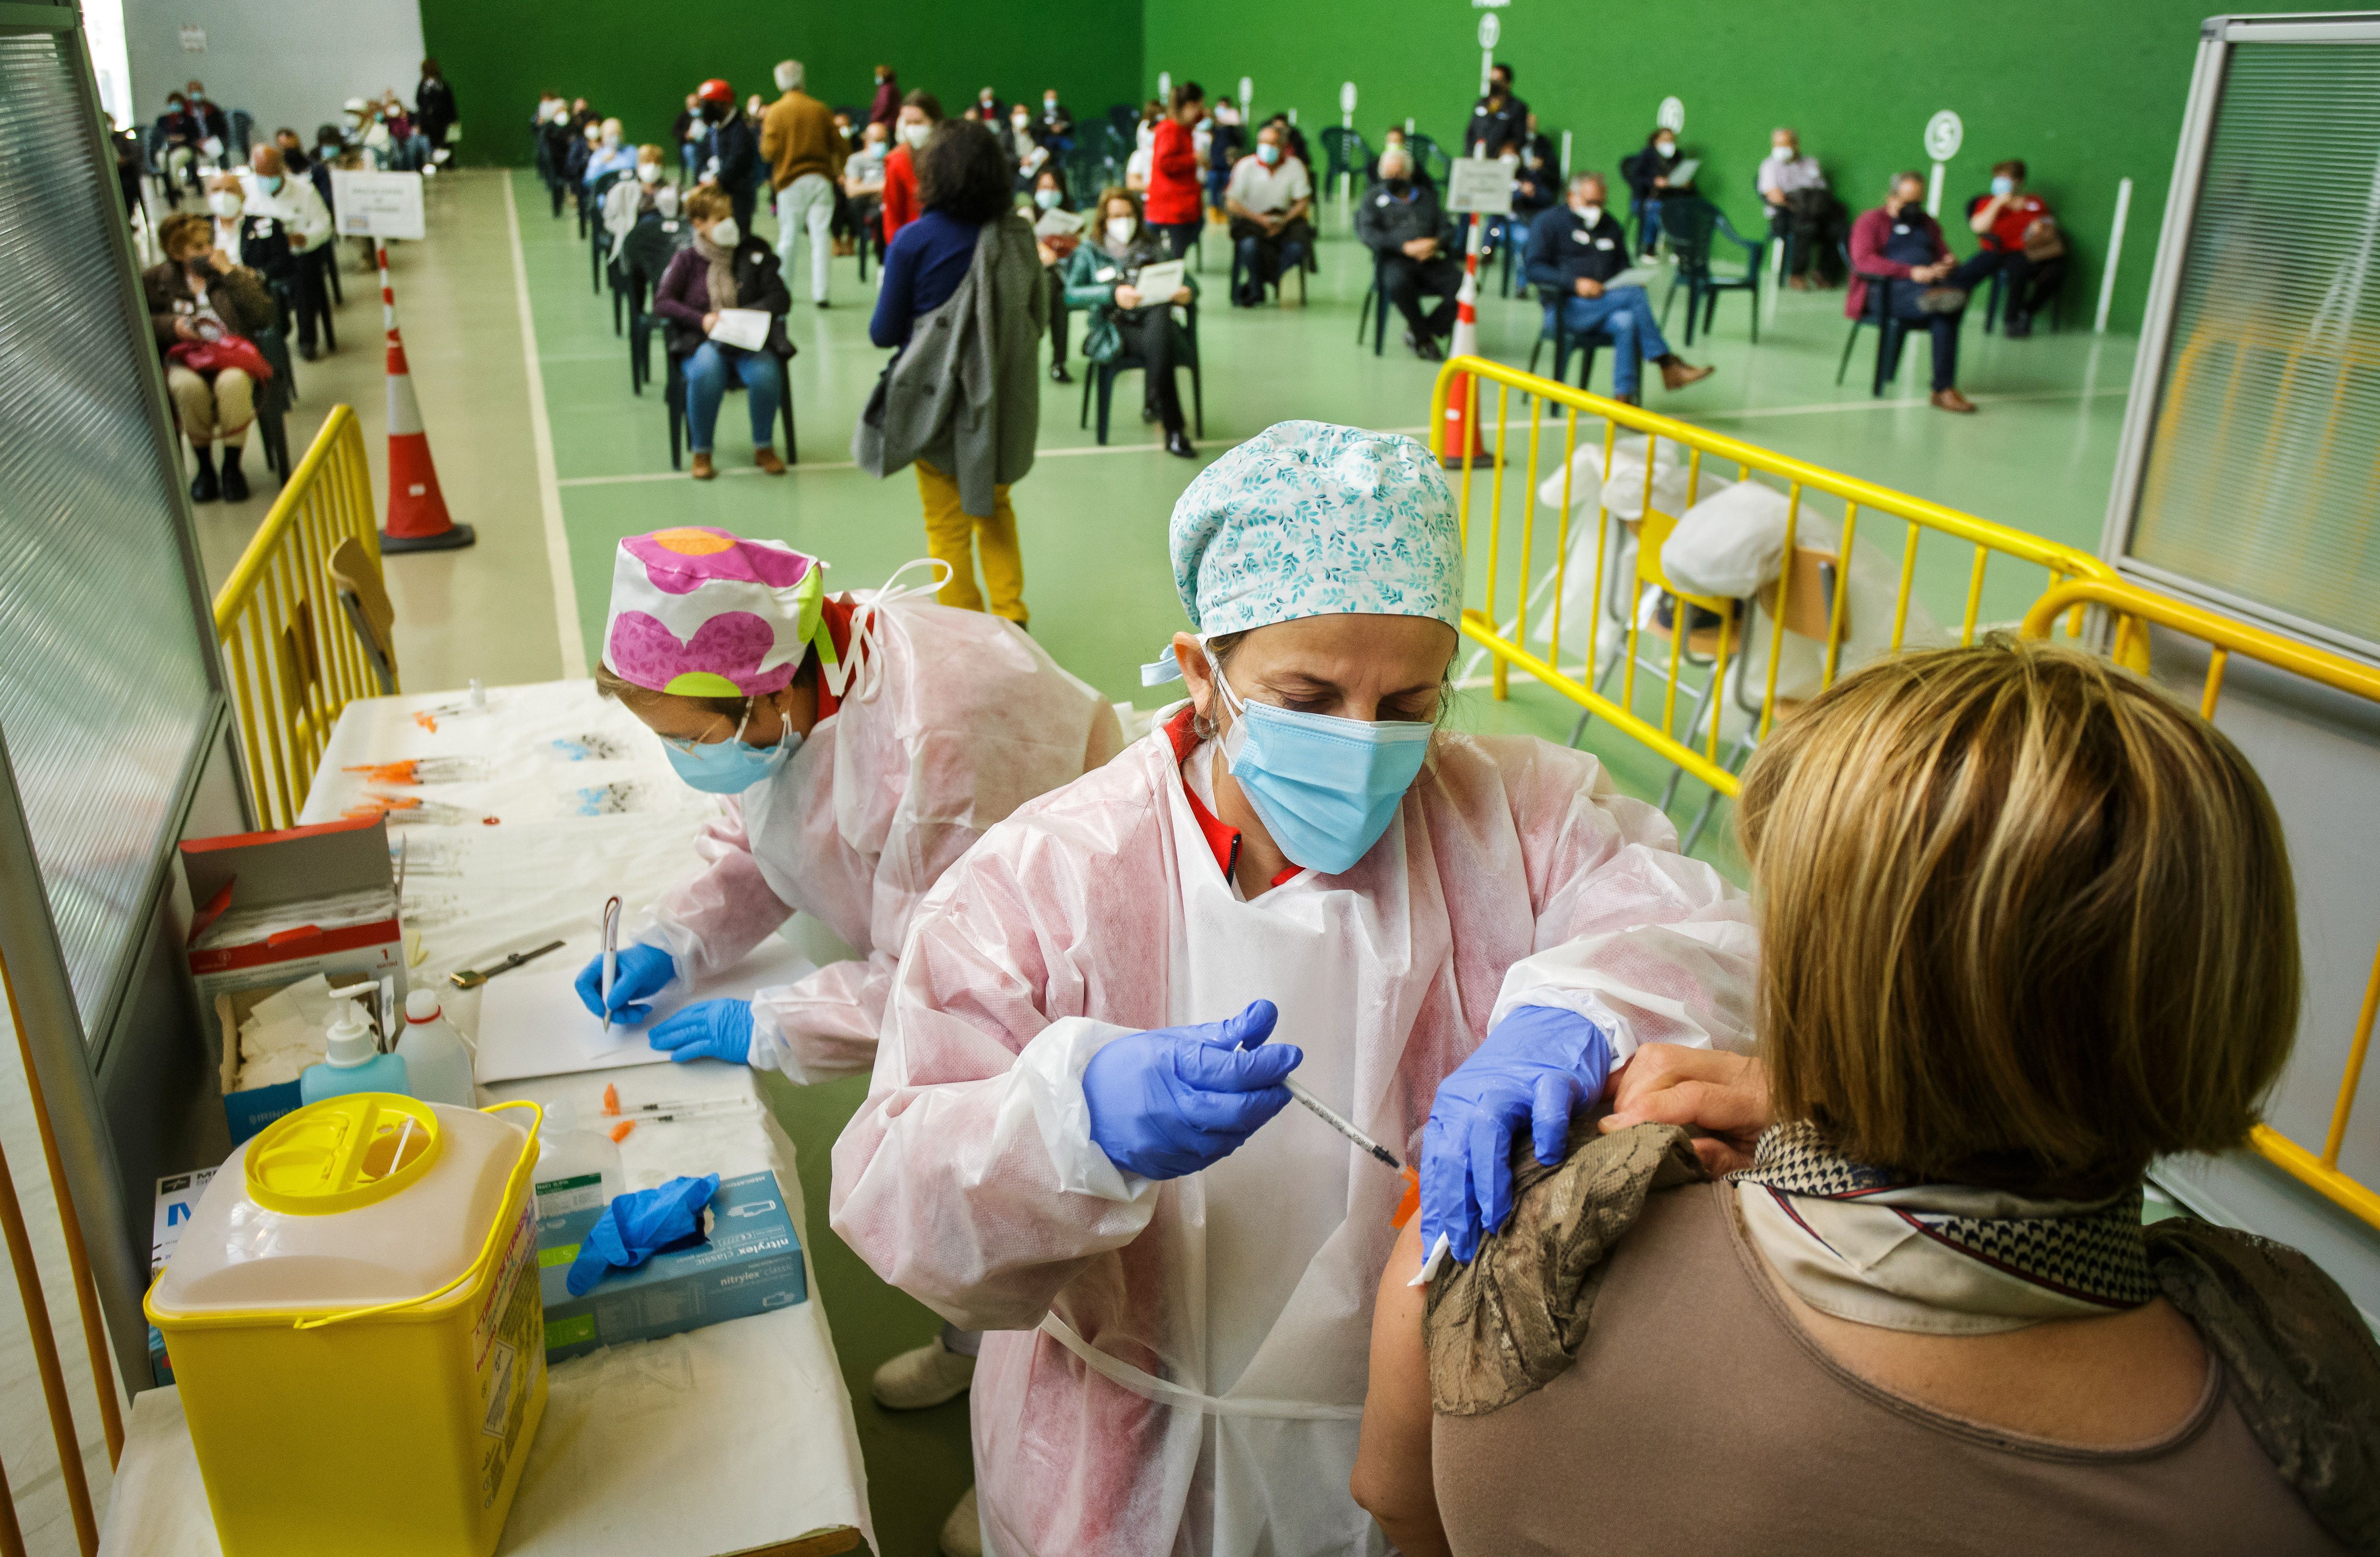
353, 1319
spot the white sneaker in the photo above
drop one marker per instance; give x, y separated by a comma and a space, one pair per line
928, 1376
963, 1532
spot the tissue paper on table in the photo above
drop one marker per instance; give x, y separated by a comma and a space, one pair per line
284, 1033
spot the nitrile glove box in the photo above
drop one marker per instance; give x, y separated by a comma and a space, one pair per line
751, 1263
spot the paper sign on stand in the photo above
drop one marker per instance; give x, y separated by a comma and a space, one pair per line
378, 204
1481, 184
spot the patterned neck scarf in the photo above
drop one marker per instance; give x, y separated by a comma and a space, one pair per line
722, 271
1864, 1244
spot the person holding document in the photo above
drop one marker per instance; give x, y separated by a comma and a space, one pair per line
1122, 274
722, 304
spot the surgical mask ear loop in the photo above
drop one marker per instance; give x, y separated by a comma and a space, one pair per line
1239, 710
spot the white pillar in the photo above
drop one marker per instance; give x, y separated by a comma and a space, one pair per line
2114, 251
1933, 193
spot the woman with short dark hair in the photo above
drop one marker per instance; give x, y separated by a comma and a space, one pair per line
968, 411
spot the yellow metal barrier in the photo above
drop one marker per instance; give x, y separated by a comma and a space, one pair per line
1859, 498
2133, 608
291, 660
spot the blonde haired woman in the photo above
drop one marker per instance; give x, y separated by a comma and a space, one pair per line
2026, 924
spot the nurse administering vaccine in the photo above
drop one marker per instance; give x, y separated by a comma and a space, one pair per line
1071, 1139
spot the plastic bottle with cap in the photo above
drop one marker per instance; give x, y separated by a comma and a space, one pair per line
577, 1165
351, 1061
436, 1061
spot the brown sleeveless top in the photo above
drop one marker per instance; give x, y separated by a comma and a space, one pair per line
1700, 1418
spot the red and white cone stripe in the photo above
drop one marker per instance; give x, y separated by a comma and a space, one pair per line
417, 509
1459, 433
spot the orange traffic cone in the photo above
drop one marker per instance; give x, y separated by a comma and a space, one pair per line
1459, 430
418, 520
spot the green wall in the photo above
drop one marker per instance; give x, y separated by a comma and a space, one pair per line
638, 61
2086, 92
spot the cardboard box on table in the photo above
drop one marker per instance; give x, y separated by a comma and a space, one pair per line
750, 1263
284, 871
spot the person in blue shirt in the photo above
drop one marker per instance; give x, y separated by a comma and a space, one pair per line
611, 154
1574, 251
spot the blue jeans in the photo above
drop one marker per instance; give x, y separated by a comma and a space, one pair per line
706, 380
1627, 315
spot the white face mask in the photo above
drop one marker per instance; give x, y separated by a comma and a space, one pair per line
1590, 214
914, 136
610, 138
1019, 121
1120, 230
1665, 148
1267, 153
649, 173
726, 233
224, 203
665, 199
1780, 154
1047, 199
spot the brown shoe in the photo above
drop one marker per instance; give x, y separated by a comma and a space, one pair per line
703, 469
1798, 283
1677, 374
766, 458
1951, 400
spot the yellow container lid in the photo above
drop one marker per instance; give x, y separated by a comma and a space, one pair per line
356, 1201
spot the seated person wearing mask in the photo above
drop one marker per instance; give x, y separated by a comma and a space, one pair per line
2026, 926
198, 297
610, 155
268, 190
1538, 183
1054, 249
1802, 209
1101, 277
1020, 142
724, 267
1899, 248
1649, 176
633, 200
1056, 124
1268, 197
2019, 240
1400, 222
1499, 123
1574, 250
1075, 1135
863, 179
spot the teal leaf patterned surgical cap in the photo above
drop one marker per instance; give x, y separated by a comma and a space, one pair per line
1311, 520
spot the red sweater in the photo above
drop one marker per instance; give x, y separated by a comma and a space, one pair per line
1869, 234
1173, 188
900, 190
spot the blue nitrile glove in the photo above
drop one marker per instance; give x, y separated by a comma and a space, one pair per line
710, 1030
643, 972
1539, 1063
634, 1227
1177, 1100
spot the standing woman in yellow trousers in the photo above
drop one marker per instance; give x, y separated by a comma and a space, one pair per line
963, 303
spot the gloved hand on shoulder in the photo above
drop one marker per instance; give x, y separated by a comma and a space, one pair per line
1538, 1065
1172, 1100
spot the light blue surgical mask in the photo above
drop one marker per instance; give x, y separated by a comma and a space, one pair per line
1326, 788
2003, 186
731, 766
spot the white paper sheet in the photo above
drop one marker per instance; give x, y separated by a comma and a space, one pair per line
1157, 283
746, 328
532, 1022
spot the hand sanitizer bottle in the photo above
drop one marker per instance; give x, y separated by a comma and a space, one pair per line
436, 1061
351, 1063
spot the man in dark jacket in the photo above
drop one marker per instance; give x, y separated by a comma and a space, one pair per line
1901, 248
1401, 222
1576, 251
733, 162
433, 106
1499, 122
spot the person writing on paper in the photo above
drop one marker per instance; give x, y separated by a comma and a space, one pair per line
2026, 927
1576, 255
864, 739
1070, 1138
725, 269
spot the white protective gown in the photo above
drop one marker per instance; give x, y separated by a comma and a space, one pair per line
960, 720
1197, 1372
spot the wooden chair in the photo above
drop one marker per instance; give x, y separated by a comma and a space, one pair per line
364, 596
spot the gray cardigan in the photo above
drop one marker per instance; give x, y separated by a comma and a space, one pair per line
965, 395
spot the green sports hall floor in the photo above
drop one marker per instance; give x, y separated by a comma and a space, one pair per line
554, 465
